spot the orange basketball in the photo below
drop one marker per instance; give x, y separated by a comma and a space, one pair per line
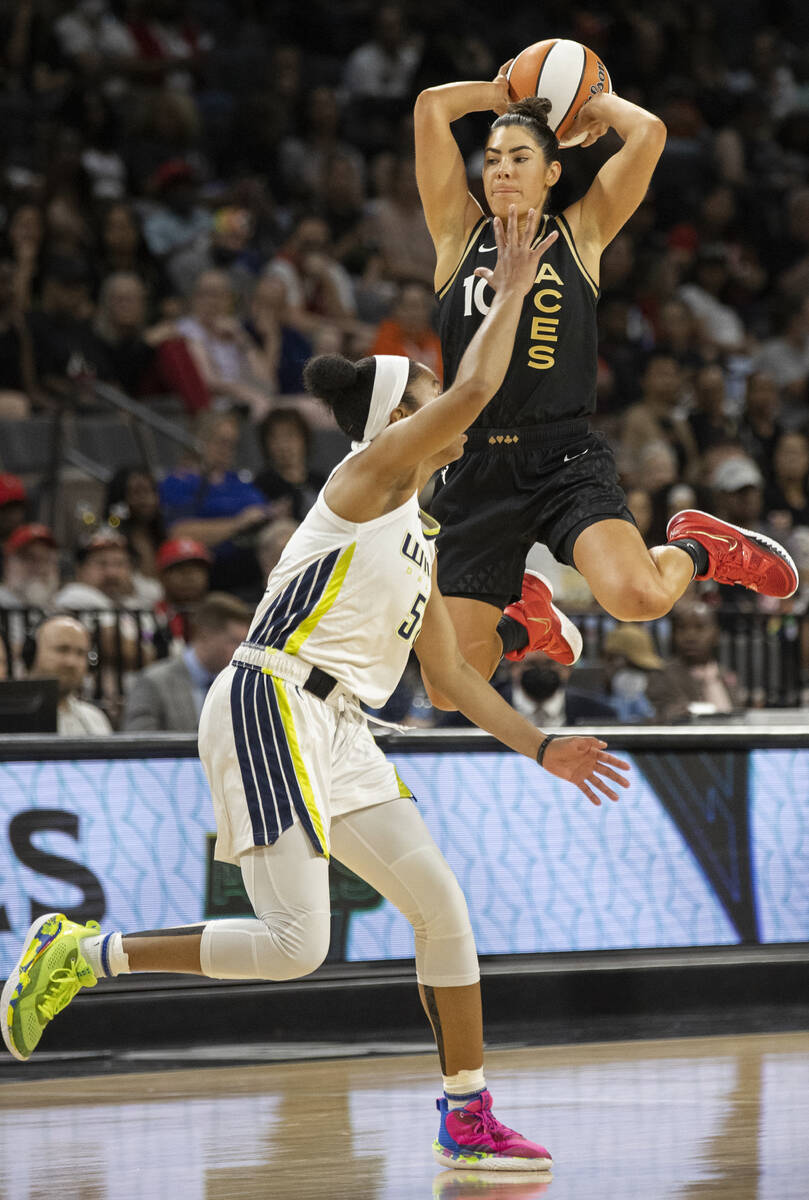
564, 72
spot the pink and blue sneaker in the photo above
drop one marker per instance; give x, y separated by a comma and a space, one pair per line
472, 1138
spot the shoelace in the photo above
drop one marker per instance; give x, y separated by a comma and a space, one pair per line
62, 987
496, 1129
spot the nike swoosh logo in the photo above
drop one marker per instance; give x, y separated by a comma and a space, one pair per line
486, 249
570, 457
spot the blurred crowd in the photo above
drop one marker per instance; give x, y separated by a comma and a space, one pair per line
195, 197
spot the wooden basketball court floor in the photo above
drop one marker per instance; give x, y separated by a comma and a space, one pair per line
720, 1118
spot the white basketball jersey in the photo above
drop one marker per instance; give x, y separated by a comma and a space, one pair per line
350, 598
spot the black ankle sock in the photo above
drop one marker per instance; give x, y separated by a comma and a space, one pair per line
696, 552
513, 635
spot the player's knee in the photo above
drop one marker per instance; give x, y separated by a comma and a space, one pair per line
638, 600
294, 947
439, 909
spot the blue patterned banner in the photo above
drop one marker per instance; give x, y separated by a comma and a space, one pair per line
701, 851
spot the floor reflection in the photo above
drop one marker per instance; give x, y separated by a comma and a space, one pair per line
699, 1119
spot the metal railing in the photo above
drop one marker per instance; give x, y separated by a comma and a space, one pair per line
769, 655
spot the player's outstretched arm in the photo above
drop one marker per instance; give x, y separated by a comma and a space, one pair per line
406, 444
580, 760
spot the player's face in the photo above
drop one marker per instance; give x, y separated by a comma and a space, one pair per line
515, 172
423, 391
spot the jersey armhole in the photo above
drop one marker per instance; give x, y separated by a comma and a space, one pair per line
473, 237
567, 234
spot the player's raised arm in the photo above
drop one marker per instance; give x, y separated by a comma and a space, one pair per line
405, 444
450, 210
622, 182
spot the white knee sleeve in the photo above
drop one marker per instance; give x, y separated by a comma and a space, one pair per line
288, 886
391, 848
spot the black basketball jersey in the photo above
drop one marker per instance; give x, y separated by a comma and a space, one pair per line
552, 373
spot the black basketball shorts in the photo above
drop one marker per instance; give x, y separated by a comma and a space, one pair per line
512, 488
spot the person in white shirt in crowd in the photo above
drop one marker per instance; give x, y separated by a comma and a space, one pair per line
168, 696
30, 568
59, 650
105, 577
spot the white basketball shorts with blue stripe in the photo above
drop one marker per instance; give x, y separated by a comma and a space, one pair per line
275, 754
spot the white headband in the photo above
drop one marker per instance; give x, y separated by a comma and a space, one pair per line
390, 381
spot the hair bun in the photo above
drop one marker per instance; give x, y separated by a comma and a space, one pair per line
536, 107
329, 375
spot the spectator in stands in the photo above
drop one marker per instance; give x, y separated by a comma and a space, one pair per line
145, 361
760, 424
13, 501
222, 349
184, 566
785, 357
132, 506
660, 413
123, 248
213, 504
693, 682
378, 78
17, 374
68, 353
105, 578
283, 348
185, 575
617, 688
30, 569
271, 541
303, 157
409, 329
318, 287
60, 650
24, 238
169, 695
396, 224
720, 326
174, 217
229, 247
786, 498
286, 438
738, 491
708, 419
677, 334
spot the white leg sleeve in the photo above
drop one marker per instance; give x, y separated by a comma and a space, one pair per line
390, 847
288, 886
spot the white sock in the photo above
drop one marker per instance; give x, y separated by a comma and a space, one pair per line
104, 952
459, 1089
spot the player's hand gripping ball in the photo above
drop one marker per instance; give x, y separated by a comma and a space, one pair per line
564, 72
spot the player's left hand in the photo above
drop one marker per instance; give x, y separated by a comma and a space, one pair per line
582, 760
588, 119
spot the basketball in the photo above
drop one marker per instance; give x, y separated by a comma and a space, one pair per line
564, 72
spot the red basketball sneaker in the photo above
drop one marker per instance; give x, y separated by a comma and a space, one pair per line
549, 630
737, 555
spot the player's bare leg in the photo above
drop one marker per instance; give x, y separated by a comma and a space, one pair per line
175, 950
629, 581
456, 1017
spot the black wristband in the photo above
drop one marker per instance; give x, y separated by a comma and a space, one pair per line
543, 746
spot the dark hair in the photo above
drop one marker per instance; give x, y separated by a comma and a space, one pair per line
216, 610
346, 387
532, 112
282, 416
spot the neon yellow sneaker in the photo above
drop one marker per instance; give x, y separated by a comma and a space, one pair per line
49, 973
